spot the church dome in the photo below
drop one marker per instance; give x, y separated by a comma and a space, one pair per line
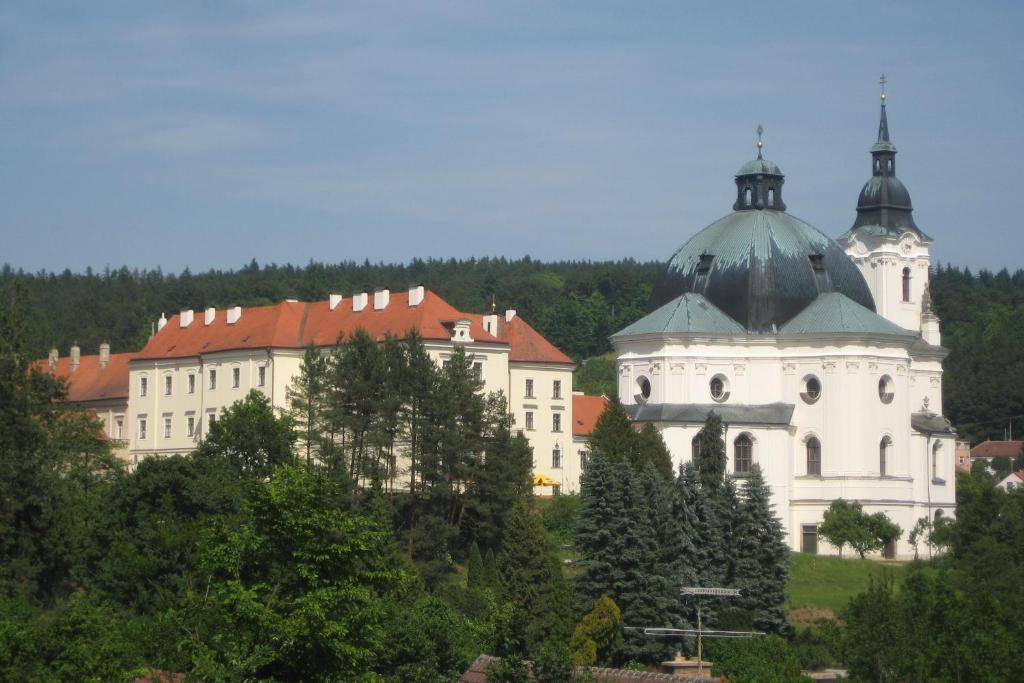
760, 265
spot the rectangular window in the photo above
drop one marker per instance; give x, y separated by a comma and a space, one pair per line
556, 389
809, 539
556, 422
191, 384
529, 388
236, 377
143, 385
119, 428
529, 420
261, 375
167, 427
142, 428
213, 379
556, 458
191, 421
211, 419
584, 459
168, 383
478, 371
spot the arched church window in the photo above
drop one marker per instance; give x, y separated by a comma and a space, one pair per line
747, 197
935, 459
906, 284
743, 449
889, 165
695, 448
884, 451
771, 196
813, 457
878, 166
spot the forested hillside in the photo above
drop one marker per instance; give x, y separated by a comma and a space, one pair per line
576, 305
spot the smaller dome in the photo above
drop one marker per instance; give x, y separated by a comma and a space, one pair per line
759, 166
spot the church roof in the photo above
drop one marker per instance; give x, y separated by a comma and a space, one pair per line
930, 423
688, 313
768, 414
761, 267
834, 313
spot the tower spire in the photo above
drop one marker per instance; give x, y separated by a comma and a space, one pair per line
760, 142
883, 144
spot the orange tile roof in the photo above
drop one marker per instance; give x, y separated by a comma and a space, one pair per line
527, 345
585, 412
295, 324
996, 449
90, 382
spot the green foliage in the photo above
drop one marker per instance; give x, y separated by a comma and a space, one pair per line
712, 461
598, 635
559, 514
250, 436
827, 582
475, 567
426, 641
765, 659
845, 523
596, 376
296, 591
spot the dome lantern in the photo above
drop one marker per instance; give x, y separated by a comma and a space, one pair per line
759, 183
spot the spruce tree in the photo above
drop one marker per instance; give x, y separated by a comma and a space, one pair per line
614, 435
712, 461
492, 578
651, 449
761, 557
601, 506
531, 577
475, 567
682, 544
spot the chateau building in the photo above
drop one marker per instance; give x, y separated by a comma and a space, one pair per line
822, 357
198, 363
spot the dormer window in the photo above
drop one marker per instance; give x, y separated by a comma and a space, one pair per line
704, 265
817, 262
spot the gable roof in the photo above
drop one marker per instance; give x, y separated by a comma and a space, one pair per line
996, 449
527, 345
296, 324
90, 382
833, 312
688, 313
585, 412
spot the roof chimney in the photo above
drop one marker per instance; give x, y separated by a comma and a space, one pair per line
381, 298
210, 316
52, 359
161, 322
359, 301
491, 324
234, 314
334, 300
104, 354
185, 319
416, 294
76, 356
509, 314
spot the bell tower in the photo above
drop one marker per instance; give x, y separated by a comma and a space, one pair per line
885, 243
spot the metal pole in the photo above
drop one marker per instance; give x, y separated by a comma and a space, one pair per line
700, 639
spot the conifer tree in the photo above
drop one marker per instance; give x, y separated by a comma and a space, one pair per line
492, 578
475, 567
613, 434
531, 577
712, 461
308, 404
601, 508
761, 557
651, 449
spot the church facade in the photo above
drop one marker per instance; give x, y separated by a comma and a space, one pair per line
822, 356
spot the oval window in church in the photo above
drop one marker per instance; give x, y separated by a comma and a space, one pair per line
644, 386
812, 389
719, 388
885, 389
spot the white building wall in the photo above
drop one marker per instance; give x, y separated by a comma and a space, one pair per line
882, 260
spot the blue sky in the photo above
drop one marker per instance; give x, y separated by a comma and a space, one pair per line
206, 134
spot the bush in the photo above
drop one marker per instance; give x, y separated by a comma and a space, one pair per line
559, 517
762, 659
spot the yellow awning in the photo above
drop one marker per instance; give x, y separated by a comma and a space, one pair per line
544, 480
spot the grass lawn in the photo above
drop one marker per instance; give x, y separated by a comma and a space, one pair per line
820, 586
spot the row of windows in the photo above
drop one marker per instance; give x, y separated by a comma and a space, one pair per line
530, 423
743, 449
556, 458
191, 425
236, 381
718, 388
556, 389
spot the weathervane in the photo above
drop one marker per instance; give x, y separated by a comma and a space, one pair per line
760, 142
882, 81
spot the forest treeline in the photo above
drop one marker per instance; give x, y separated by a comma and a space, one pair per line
575, 304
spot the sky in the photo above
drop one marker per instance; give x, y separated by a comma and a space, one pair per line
203, 135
